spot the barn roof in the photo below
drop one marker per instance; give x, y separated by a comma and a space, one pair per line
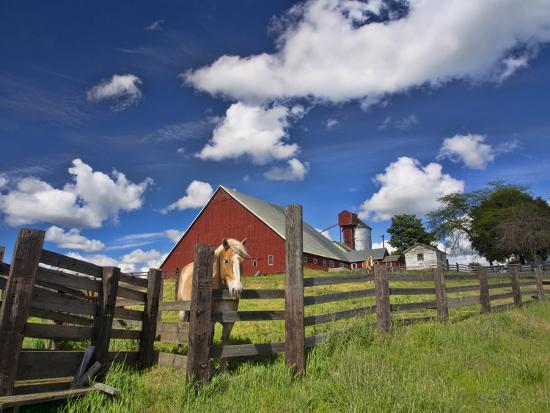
274, 217
356, 256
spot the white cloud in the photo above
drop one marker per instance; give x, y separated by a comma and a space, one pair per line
174, 234
403, 124
135, 261
295, 171
89, 200
155, 26
3, 181
470, 149
122, 89
72, 239
252, 131
326, 234
331, 123
333, 51
196, 196
512, 65
387, 245
407, 187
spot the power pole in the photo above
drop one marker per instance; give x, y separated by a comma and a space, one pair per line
383, 243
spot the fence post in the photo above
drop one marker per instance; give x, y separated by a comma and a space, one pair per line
150, 314
383, 308
484, 296
516, 291
540, 284
441, 295
177, 284
16, 304
103, 321
200, 317
294, 290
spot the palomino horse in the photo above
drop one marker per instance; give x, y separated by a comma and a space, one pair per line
226, 273
369, 264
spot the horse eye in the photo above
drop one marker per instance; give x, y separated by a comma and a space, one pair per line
226, 261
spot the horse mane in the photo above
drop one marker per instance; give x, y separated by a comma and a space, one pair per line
236, 246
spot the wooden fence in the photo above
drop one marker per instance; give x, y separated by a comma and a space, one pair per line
69, 304
390, 298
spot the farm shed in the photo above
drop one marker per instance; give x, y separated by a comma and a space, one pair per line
421, 256
394, 262
231, 214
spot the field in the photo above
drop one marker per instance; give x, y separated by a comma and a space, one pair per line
496, 362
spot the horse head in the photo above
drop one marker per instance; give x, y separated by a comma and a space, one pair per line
230, 257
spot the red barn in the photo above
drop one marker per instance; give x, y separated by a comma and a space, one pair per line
230, 214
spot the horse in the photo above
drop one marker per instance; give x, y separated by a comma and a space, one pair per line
226, 273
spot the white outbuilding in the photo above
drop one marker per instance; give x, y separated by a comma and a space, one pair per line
422, 256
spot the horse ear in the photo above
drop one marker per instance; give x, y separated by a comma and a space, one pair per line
243, 241
225, 243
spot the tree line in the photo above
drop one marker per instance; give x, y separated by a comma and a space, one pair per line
502, 222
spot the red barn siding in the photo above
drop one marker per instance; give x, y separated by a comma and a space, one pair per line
223, 217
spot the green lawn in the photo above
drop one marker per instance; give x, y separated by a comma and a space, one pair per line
496, 362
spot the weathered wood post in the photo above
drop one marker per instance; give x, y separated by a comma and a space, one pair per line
383, 308
176, 284
2, 251
16, 304
200, 324
441, 295
516, 291
539, 283
103, 321
294, 290
150, 315
484, 296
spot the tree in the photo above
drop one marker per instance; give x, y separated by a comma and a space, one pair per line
486, 218
525, 231
407, 230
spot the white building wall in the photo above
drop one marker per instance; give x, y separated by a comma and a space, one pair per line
432, 258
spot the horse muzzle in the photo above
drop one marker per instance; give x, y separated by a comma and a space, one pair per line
235, 293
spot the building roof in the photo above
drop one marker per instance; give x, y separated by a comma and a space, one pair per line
418, 244
356, 256
274, 217
392, 258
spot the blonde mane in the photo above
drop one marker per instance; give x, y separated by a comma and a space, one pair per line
235, 245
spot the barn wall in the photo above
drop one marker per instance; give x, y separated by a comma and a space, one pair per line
224, 217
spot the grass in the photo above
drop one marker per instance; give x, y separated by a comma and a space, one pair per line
496, 362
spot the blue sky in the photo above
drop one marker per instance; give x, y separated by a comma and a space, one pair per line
318, 99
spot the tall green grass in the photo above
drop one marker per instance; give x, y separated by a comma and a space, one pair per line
497, 362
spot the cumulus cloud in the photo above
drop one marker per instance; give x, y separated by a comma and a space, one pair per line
338, 51
196, 196
294, 171
473, 150
470, 149
387, 245
123, 90
256, 132
87, 201
3, 181
407, 187
72, 239
174, 234
135, 261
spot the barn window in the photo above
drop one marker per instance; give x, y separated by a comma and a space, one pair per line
331, 264
324, 263
270, 260
254, 263
315, 260
420, 257
306, 259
